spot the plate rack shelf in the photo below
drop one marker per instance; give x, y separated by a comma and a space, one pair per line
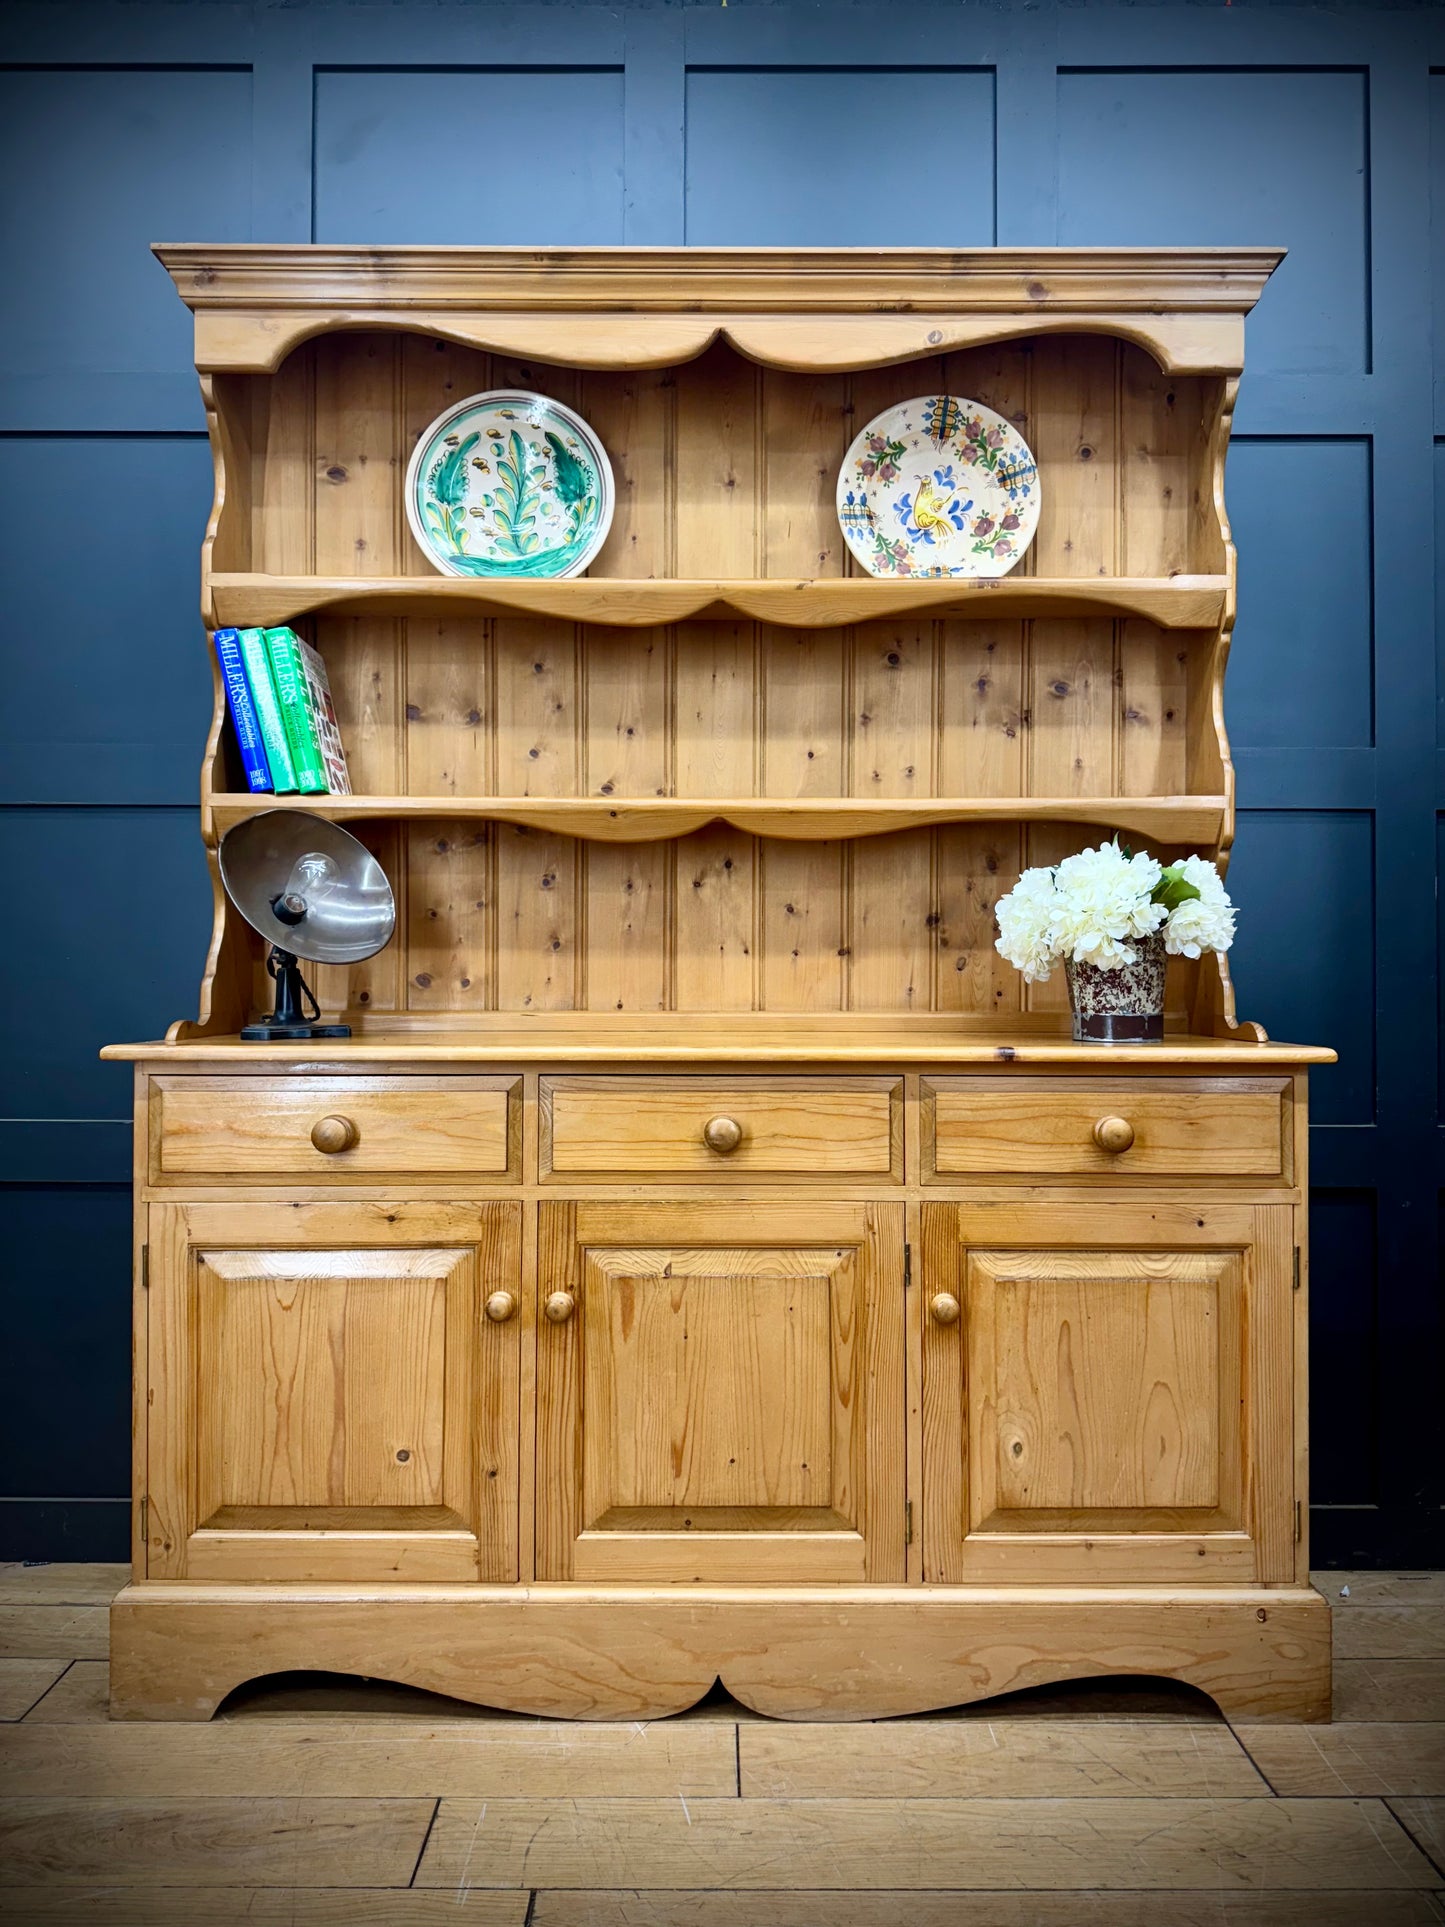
615, 751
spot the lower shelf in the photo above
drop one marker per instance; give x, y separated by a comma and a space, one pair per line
816, 1653
1166, 819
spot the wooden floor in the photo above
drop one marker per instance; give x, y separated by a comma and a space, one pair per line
311, 1801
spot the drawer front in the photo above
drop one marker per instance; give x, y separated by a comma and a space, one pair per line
1086, 1127
611, 1128
332, 1130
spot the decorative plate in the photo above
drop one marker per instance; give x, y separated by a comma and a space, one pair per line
939, 486
509, 484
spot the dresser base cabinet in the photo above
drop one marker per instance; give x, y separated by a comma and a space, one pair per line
855, 1443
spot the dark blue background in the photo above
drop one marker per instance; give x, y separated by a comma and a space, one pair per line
128, 123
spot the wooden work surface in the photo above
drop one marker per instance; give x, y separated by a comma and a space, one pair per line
670, 1038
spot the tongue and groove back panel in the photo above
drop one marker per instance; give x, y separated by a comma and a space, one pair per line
728, 469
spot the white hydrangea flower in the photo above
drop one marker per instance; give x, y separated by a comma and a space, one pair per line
1205, 922
1103, 902
1026, 926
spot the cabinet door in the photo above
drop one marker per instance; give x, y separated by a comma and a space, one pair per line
1107, 1392
720, 1392
331, 1394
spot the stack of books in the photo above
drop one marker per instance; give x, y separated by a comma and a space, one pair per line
281, 707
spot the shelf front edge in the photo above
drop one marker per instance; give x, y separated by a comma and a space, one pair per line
1172, 819
1177, 602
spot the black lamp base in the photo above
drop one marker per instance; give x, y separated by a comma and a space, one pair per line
288, 1023
269, 1031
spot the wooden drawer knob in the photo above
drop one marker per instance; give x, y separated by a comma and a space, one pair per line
722, 1134
1113, 1134
945, 1308
500, 1306
560, 1307
332, 1134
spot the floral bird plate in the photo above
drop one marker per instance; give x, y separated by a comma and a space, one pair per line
508, 484
939, 486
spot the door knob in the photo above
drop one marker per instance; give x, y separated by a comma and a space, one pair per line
559, 1307
500, 1307
722, 1134
1113, 1134
945, 1308
332, 1134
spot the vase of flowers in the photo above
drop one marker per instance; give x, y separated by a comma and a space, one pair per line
1113, 917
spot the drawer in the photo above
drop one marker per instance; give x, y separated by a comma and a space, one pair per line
329, 1130
722, 1127
1082, 1127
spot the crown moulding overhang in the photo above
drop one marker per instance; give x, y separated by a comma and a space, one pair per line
805, 309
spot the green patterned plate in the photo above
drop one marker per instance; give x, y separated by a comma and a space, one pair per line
508, 484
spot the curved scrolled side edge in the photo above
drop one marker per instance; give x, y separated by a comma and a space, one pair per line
222, 994
1227, 1023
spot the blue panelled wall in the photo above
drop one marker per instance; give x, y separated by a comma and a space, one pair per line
126, 123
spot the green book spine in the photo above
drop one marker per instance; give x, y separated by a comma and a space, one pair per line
256, 660
294, 699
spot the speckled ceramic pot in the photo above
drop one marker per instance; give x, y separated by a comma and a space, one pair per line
1124, 1006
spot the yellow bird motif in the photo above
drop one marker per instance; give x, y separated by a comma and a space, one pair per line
929, 502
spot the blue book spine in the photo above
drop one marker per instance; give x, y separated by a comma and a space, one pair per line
243, 710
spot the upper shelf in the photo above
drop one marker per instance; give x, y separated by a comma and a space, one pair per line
802, 308
1177, 602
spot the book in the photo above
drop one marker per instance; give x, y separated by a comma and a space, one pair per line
294, 701
243, 710
256, 659
323, 716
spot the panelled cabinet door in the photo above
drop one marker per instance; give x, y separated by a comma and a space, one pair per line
1107, 1392
720, 1392
331, 1395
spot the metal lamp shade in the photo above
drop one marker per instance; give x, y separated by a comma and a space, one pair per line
352, 917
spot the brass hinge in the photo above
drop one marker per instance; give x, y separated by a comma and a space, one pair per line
1299, 1520
908, 1523
1296, 1267
145, 1267
907, 1266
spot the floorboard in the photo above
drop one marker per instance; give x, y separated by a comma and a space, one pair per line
369, 1758
59, 1585
855, 1845
25, 1682
783, 1909
1366, 1758
213, 1843
81, 1696
1348, 1591
70, 1906
54, 1632
1029, 1759
1390, 1632
1424, 1820
1389, 1689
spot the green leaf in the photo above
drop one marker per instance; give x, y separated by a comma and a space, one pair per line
1173, 888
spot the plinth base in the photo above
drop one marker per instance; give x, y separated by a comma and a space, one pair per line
815, 1653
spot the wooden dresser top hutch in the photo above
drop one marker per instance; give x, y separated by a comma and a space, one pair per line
720, 1233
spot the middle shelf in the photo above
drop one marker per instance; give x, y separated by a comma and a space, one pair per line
1164, 819
1173, 602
